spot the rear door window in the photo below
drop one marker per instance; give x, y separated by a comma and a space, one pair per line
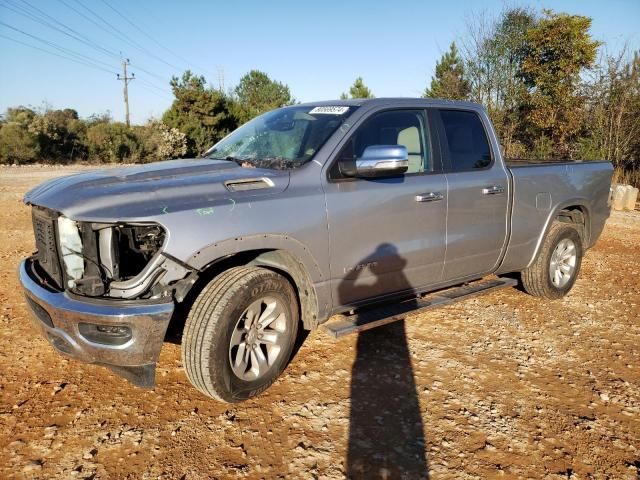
466, 140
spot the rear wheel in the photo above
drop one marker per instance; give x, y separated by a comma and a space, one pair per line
240, 333
557, 265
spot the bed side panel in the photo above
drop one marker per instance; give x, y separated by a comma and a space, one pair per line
541, 191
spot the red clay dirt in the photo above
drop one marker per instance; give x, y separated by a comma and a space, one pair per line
501, 386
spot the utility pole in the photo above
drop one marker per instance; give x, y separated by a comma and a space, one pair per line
220, 79
126, 81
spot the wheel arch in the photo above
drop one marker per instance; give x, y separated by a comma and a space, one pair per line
570, 211
281, 253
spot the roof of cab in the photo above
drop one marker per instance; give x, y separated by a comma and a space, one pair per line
357, 102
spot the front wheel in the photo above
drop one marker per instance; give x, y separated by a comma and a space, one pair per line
240, 333
557, 265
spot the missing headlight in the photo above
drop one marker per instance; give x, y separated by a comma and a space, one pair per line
136, 245
113, 254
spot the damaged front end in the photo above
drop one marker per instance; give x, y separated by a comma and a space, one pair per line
104, 293
106, 260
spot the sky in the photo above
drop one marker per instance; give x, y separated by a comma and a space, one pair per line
317, 48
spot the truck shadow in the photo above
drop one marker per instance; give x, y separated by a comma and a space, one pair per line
386, 436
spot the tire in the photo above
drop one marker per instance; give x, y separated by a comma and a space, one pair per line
230, 309
540, 279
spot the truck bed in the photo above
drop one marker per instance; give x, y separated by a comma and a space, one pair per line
540, 192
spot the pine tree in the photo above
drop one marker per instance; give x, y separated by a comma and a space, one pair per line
257, 93
358, 90
449, 80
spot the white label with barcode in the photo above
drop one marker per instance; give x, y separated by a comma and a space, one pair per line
329, 110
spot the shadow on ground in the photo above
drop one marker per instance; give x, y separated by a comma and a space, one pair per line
386, 435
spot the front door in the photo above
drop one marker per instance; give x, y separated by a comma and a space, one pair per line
387, 235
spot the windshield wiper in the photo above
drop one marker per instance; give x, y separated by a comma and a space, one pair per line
277, 163
230, 158
274, 163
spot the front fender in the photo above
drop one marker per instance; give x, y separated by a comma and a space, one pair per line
282, 252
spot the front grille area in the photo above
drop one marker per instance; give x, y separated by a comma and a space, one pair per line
45, 233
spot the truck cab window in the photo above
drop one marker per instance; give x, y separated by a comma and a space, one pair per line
398, 127
466, 140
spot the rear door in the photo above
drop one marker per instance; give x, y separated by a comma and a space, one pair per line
477, 187
386, 235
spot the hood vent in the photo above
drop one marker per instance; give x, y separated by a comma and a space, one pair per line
244, 184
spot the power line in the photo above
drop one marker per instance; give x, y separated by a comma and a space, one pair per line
117, 33
37, 15
126, 37
136, 27
126, 16
149, 73
58, 47
41, 18
79, 56
86, 64
155, 18
159, 93
145, 85
112, 30
151, 85
86, 17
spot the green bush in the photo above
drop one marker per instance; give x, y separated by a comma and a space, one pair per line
160, 142
17, 145
112, 143
60, 135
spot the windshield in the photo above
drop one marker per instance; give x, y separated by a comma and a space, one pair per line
283, 138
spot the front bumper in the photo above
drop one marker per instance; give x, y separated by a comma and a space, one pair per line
58, 315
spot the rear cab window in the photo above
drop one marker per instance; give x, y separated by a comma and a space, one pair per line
465, 140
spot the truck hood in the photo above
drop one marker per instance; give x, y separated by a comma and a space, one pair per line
146, 191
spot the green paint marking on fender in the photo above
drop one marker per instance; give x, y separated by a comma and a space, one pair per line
205, 211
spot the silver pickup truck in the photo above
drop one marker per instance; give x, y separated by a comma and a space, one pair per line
342, 208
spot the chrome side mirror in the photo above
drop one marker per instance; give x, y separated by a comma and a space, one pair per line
378, 161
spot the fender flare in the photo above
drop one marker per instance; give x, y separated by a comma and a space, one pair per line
280, 252
580, 202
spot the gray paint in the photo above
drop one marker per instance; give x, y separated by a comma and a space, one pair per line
333, 229
577, 184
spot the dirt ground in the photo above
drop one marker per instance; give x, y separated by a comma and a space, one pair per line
501, 386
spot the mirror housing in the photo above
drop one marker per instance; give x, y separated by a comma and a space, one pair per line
378, 161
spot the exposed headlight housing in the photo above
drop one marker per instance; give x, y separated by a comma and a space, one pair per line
102, 259
106, 259
70, 249
129, 256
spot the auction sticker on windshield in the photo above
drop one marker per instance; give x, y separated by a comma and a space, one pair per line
330, 110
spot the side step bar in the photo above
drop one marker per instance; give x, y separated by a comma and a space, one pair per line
376, 317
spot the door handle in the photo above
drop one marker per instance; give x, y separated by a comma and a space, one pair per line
429, 197
493, 190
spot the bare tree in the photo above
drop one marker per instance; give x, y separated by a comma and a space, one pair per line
613, 111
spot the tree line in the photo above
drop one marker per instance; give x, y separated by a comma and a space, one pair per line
199, 116
550, 88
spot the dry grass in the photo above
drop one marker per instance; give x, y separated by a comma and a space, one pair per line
626, 177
